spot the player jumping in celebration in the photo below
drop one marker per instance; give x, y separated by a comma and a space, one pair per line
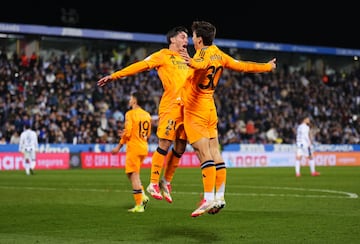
172, 71
200, 115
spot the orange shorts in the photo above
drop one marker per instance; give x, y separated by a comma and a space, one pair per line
133, 162
171, 123
199, 124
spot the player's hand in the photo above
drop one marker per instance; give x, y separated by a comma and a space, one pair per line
273, 63
185, 55
103, 81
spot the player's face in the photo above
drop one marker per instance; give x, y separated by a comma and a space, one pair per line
131, 101
181, 40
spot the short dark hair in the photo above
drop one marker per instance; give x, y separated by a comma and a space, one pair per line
175, 31
205, 30
140, 98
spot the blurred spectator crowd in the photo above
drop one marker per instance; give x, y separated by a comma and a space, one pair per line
60, 98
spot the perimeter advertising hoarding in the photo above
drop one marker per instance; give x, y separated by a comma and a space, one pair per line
15, 161
287, 159
92, 160
252, 148
109, 160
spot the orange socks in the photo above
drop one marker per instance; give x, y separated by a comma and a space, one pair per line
208, 172
157, 163
172, 162
138, 196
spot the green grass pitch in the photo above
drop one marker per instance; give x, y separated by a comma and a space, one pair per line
264, 205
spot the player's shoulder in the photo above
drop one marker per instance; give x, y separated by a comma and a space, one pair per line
129, 113
210, 51
158, 56
214, 49
146, 113
168, 52
163, 51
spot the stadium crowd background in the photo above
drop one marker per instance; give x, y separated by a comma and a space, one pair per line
55, 89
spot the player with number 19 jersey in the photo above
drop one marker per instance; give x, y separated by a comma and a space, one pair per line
136, 134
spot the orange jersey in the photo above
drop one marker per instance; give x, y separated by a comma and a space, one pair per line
137, 131
208, 65
200, 116
171, 70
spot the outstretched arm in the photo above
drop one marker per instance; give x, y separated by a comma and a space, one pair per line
250, 66
132, 69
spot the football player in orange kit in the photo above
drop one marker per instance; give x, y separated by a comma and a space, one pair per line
200, 116
135, 135
172, 71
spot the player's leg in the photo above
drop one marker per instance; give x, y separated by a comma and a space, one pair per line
197, 132
33, 162
208, 172
298, 157
157, 164
220, 182
172, 163
132, 170
27, 162
312, 163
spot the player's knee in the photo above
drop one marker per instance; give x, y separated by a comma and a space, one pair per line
161, 151
176, 154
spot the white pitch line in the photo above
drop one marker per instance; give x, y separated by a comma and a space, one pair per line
348, 194
340, 194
